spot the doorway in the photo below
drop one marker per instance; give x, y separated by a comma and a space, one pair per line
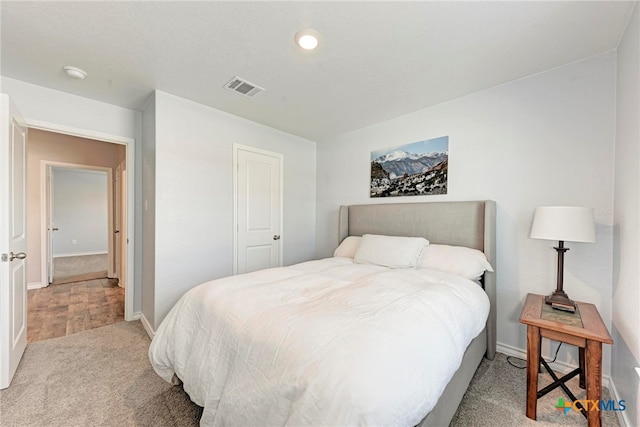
80, 223
58, 158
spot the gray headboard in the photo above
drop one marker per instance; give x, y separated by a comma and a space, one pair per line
471, 224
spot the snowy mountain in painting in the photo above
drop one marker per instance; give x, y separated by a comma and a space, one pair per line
398, 155
400, 163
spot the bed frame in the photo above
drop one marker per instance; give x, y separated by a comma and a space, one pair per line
471, 224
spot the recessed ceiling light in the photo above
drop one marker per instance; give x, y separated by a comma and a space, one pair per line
307, 39
74, 72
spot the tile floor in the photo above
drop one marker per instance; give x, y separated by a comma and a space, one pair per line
64, 309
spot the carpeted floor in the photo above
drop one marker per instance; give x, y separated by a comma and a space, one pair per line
102, 377
497, 397
99, 377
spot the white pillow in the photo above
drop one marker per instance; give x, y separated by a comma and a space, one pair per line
390, 251
347, 248
460, 260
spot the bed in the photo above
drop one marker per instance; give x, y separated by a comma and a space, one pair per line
341, 341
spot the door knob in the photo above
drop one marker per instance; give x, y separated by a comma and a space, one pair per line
55, 229
276, 237
19, 255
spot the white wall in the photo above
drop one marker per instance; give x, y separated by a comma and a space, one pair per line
148, 191
80, 212
194, 194
37, 103
626, 259
543, 140
53, 106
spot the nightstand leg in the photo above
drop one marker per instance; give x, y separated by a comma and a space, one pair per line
594, 381
582, 367
533, 367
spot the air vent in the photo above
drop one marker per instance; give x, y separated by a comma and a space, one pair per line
243, 87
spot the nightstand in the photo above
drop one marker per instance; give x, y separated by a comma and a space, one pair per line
584, 329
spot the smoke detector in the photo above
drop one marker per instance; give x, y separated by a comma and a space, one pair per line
75, 72
243, 87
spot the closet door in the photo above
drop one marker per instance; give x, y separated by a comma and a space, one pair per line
258, 243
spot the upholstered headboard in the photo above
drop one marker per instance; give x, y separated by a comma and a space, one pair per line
471, 224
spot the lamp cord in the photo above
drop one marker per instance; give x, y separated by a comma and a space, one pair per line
525, 366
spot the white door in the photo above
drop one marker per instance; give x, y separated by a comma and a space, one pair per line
51, 228
13, 241
258, 210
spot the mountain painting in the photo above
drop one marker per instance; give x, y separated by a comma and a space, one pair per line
416, 169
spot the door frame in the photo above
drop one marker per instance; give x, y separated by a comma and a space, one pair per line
120, 213
45, 167
129, 144
279, 156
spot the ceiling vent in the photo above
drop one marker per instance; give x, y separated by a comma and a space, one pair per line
243, 87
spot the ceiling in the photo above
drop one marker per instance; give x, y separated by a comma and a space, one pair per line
376, 60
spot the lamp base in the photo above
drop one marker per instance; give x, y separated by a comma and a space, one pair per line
560, 301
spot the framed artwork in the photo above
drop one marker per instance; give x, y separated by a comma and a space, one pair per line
416, 169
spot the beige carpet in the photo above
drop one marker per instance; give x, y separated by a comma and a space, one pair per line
79, 268
102, 377
497, 397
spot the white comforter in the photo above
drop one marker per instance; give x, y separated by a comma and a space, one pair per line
325, 342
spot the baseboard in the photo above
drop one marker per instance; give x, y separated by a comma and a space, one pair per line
35, 285
80, 254
615, 396
147, 326
556, 366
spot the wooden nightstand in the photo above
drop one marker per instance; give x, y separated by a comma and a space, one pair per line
584, 329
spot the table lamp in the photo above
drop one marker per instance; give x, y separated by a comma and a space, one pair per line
563, 223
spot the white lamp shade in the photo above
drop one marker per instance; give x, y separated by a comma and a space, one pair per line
567, 223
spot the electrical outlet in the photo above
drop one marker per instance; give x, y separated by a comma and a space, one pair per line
74, 242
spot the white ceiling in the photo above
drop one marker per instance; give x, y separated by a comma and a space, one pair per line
376, 60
